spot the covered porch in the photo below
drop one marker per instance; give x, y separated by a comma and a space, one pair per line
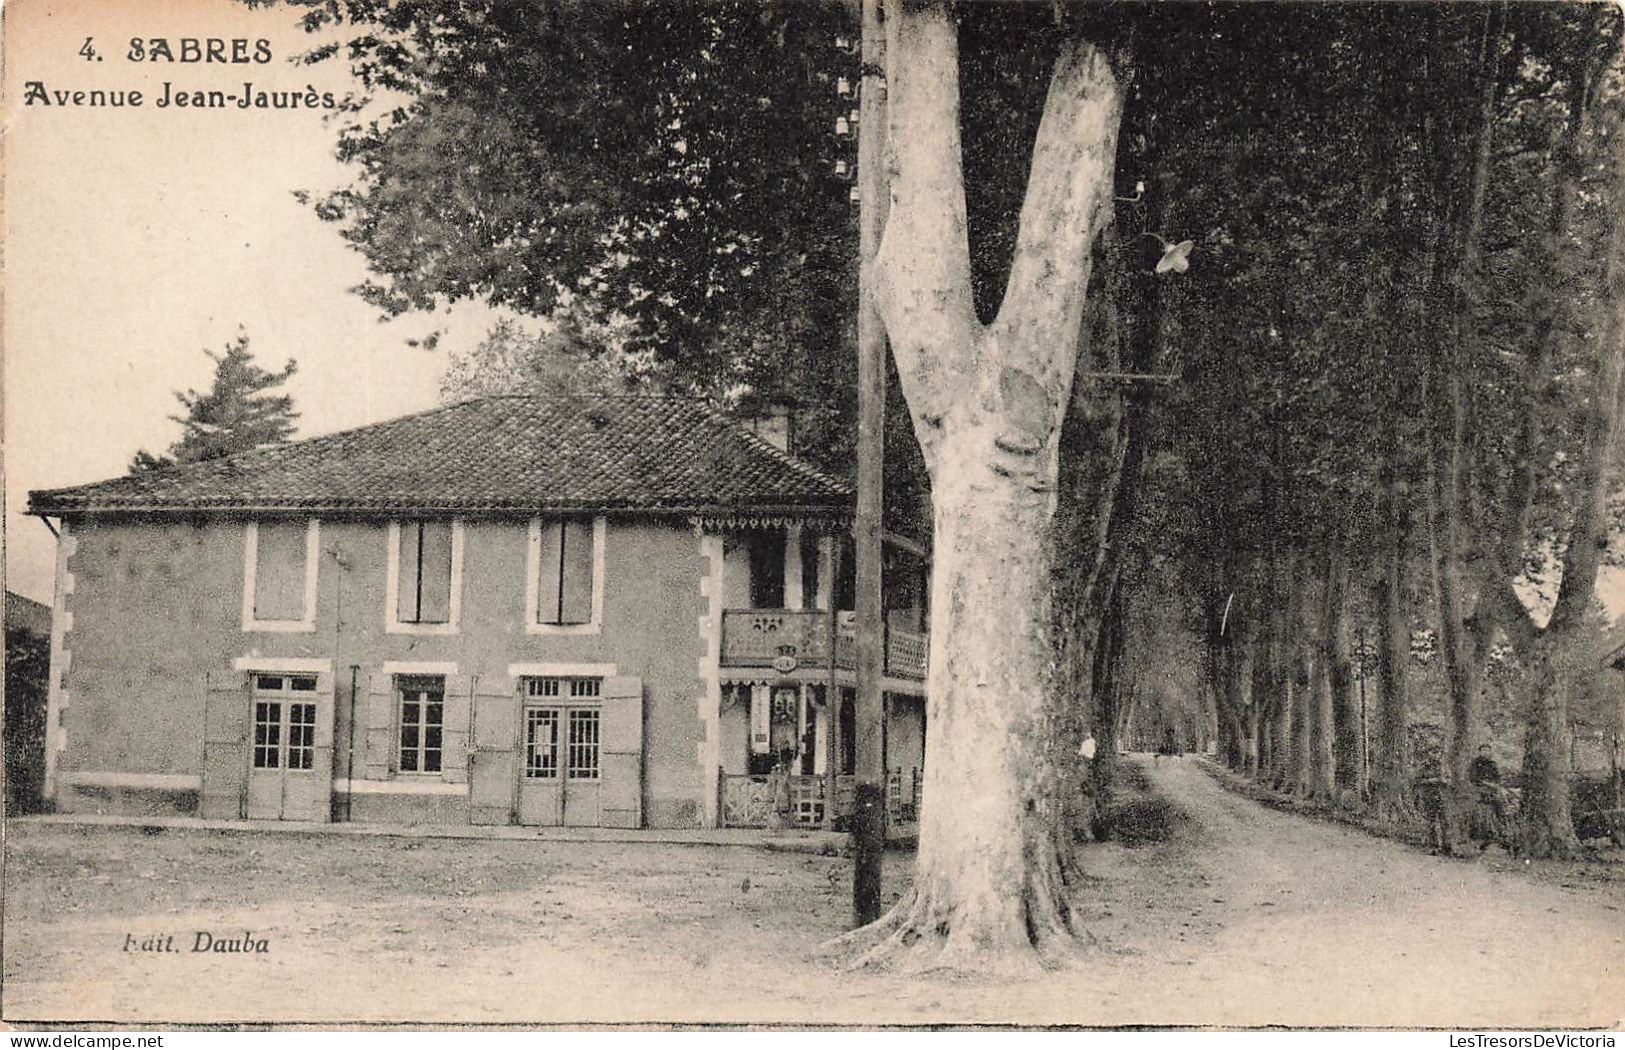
785, 755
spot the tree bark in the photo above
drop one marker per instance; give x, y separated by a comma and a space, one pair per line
988, 873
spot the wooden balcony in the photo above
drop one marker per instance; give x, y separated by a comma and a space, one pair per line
794, 638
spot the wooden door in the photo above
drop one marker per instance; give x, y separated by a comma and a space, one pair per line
583, 764
541, 783
290, 756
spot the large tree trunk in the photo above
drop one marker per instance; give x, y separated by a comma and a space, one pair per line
988, 870
987, 404
1095, 510
1322, 728
1462, 176
1461, 643
1110, 708
1616, 768
1247, 701
1547, 817
1560, 649
1548, 830
1391, 766
1305, 684
1221, 662
1265, 703
1348, 730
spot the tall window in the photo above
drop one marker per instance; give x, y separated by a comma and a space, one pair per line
422, 721
284, 724
424, 557
564, 590
542, 743
562, 728
583, 753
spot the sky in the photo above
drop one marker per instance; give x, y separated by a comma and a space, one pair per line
138, 238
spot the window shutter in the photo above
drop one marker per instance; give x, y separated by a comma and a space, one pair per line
454, 732
434, 605
548, 579
380, 722
576, 585
620, 800
279, 570
494, 765
406, 602
225, 746
321, 759
324, 713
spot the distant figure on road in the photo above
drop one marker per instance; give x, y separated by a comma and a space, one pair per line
1170, 744
1483, 769
1489, 819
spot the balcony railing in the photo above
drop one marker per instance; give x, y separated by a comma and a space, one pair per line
791, 638
763, 801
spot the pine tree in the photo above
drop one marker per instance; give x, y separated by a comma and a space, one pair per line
238, 413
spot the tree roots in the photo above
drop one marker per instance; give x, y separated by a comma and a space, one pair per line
917, 937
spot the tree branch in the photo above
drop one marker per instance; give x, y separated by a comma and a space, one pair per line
1068, 203
923, 286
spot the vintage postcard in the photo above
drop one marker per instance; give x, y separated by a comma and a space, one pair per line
851, 513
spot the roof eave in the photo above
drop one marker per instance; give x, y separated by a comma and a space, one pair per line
43, 508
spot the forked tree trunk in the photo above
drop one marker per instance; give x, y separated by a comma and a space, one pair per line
987, 404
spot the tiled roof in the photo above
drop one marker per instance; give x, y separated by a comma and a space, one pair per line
591, 452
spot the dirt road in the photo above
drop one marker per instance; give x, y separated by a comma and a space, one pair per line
1324, 924
1245, 917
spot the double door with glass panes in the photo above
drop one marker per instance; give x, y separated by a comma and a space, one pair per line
283, 781
560, 775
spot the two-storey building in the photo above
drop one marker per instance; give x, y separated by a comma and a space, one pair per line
616, 611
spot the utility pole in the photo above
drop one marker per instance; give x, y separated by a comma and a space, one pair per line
831, 570
869, 796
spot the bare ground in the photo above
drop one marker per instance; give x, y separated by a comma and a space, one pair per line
1246, 916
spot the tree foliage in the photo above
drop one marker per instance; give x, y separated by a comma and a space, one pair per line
28, 662
1377, 371
240, 411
